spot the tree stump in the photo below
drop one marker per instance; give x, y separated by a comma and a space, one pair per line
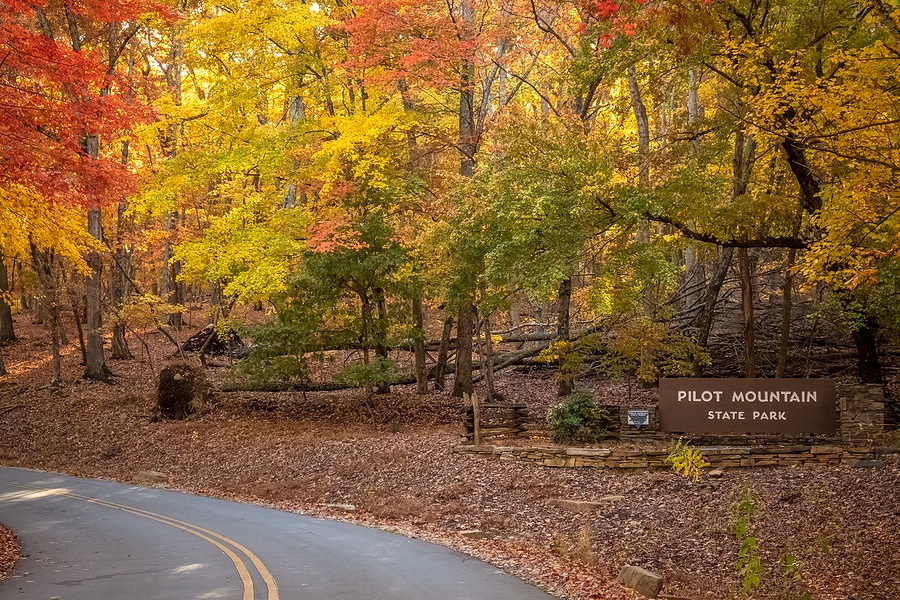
182, 390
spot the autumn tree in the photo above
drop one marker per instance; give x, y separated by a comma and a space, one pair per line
64, 98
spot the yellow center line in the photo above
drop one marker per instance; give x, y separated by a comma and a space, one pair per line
210, 536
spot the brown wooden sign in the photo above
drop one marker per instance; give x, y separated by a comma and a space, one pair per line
747, 405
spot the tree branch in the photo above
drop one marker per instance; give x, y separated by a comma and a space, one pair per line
761, 242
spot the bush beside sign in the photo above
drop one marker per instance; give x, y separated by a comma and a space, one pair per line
748, 406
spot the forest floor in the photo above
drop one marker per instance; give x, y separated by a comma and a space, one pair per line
830, 531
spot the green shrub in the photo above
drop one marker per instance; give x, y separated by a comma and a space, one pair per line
578, 419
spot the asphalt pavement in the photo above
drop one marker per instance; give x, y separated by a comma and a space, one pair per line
85, 539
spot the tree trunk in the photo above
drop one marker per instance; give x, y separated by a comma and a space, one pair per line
3, 370
693, 270
742, 166
643, 130
176, 319
380, 331
170, 288
119, 288
468, 139
702, 323
440, 369
693, 108
786, 306
76, 313
365, 335
7, 333
868, 361
566, 381
419, 346
747, 313
95, 367
487, 360
44, 269
465, 329
296, 114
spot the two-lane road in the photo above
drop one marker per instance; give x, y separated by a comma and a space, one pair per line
98, 540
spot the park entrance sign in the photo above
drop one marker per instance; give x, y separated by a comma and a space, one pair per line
747, 406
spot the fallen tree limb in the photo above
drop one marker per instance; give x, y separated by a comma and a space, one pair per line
502, 361
515, 357
298, 386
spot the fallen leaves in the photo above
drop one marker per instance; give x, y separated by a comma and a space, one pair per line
321, 453
9, 551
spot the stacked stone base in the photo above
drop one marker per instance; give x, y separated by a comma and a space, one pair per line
718, 456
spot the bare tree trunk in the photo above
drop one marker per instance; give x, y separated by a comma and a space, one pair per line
465, 329
418, 315
487, 358
440, 369
119, 289
703, 321
7, 333
419, 346
380, 331
76, 313
693, 107
169, 287
786, 306
3, 370
95, 367
643, 130
693, 275
742, 165
176, 319
566, 381
468, 140
120, 349
868, 361
44, 269
215, 302
747, 312
296, 114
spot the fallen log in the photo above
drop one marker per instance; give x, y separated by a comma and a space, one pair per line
298, 386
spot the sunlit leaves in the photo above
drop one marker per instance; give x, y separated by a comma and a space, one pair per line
26, 218
252, 249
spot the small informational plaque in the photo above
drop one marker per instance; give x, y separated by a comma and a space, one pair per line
638, 418
748, 405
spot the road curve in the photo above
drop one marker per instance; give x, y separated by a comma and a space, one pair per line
86, 539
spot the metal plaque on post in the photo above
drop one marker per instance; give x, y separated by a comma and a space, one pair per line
638, 418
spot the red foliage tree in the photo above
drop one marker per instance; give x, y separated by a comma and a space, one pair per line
61, 96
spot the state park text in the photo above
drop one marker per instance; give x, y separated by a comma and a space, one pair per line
747, 405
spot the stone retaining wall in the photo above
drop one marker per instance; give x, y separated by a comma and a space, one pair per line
861, 412
718, 456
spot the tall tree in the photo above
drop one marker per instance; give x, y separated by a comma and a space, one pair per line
65, 99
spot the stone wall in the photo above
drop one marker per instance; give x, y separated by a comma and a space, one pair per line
860, 415
861, 412
860, 418
718, 456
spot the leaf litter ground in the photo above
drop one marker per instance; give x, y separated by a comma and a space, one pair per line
388, 463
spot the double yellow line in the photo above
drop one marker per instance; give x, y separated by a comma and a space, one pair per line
228, 546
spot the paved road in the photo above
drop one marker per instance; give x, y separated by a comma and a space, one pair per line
98, 540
